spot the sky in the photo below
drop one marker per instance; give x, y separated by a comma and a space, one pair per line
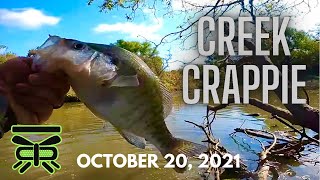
27, 24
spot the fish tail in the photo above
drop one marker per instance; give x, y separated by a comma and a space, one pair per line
181, 146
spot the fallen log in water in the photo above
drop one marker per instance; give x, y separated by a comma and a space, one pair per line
259, 133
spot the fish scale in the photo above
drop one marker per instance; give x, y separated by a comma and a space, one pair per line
147, 113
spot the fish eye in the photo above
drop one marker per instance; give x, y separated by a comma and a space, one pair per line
78, 46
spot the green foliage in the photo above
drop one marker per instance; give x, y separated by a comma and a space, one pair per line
155, 63
146, 52
141, 49
304, 48
173, 80
6, 56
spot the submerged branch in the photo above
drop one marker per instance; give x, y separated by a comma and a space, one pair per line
258, 133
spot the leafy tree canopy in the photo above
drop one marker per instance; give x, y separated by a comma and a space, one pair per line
143, 49
4, 56
146, 52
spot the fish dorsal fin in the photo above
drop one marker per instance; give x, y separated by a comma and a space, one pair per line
133, 139
126, 81
166, 100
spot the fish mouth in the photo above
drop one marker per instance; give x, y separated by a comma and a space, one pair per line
38, 55
51, 41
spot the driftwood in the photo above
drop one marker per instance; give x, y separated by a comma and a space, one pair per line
215, 147
283, 147
279, 148
262, 171
258, 133
291, 148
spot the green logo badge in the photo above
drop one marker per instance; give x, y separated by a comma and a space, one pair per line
43, 153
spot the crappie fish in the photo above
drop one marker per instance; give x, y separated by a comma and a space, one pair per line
117, 86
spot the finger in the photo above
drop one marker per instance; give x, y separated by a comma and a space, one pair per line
56, 81
26, 60
15, 70
53, 97
40, 108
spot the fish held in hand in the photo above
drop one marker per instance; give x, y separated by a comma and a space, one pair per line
117, 86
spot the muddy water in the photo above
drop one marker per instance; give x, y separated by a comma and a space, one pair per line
84, 133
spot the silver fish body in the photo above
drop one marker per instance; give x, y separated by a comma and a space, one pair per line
119, 87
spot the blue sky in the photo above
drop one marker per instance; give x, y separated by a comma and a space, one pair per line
26, 24
31, 21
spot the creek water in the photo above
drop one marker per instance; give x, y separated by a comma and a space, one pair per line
84, 133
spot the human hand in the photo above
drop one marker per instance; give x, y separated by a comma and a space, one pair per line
32, 95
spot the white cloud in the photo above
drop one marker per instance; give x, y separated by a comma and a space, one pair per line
134, 30
26, 18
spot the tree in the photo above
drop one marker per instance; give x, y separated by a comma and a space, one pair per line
4, 56
143, 49
304, 48
146, 52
